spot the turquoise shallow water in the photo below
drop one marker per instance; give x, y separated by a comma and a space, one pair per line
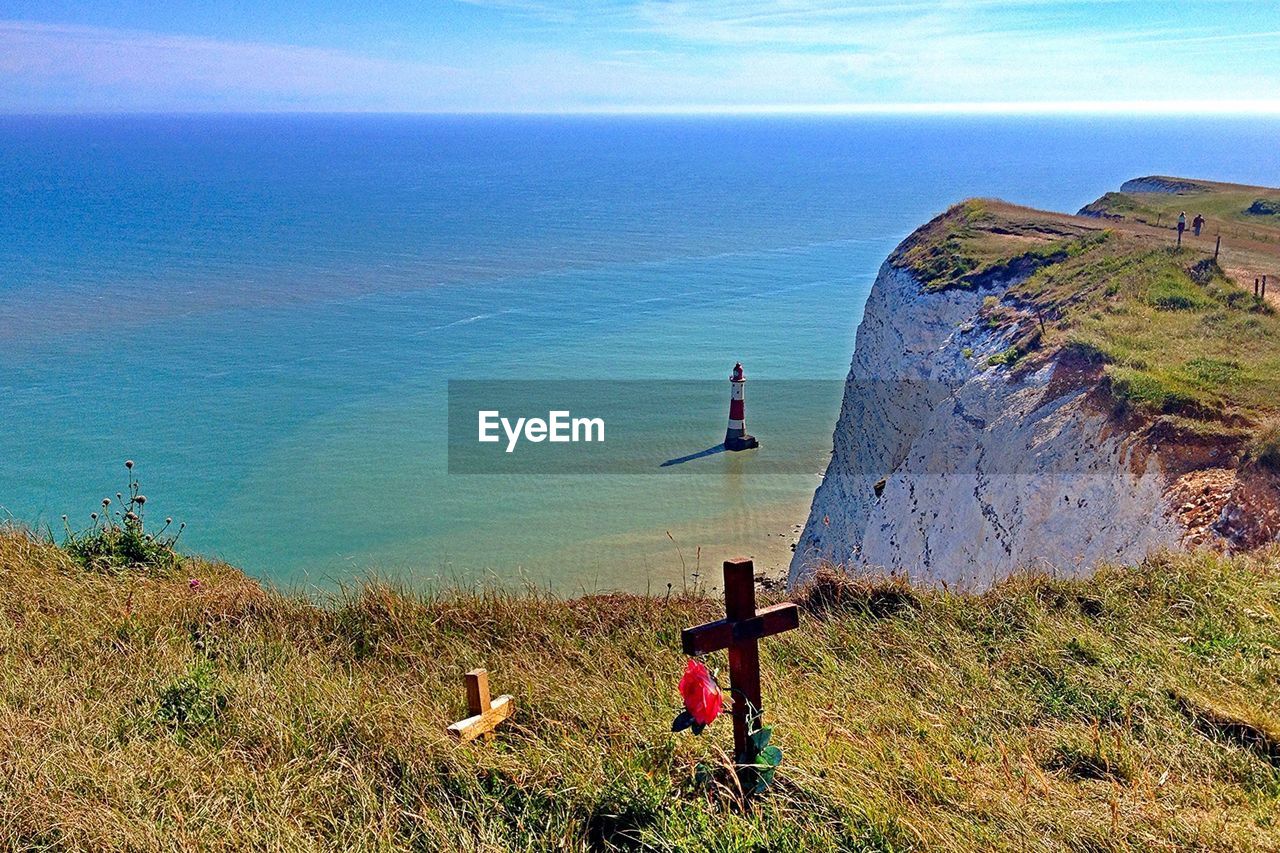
265, 313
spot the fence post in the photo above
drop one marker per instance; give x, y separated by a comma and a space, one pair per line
1216, 247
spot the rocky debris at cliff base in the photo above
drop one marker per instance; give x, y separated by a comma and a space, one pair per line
774, 578
1197, 500
1225, 509
771, 579
1252, 516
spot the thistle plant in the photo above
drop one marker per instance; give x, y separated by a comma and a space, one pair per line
117, 539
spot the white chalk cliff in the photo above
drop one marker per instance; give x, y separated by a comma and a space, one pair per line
983, 473
950, 468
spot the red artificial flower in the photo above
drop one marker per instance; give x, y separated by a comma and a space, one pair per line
702, 697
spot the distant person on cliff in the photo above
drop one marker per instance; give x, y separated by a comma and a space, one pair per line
1197, 224
1182, 225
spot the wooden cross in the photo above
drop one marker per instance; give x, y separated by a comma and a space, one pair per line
484, 714
740, 633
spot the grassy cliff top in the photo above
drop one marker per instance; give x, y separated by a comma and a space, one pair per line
1179, 333
1136, 710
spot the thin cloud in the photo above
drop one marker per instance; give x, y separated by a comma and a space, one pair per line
710, 55
158, 69
1259, 107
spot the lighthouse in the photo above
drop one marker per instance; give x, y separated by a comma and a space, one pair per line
736, 438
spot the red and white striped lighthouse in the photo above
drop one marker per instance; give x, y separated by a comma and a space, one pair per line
736, 438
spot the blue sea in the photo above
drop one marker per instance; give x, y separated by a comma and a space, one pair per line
265, 313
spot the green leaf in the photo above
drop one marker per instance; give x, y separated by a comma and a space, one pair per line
703, 775
772, 756
761, 737
763, 779
682, 721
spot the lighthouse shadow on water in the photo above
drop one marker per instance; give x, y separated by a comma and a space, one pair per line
735, 437
680, 460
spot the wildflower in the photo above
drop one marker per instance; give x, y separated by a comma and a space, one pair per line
93, 515
106, 501
194, 583
168, 520
128, 463
703, 700
140, 499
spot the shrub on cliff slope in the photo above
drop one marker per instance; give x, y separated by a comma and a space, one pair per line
1265, 449
117, 538
1263, 207
1132, 711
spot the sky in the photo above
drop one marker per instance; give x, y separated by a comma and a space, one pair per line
1117, 56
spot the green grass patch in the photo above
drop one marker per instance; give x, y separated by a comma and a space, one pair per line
911, 719
1152, 392
192, 703
1008, 358
1176, 335
1173, 290
1171, 344
1223, 203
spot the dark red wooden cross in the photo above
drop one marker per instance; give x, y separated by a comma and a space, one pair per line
740, 632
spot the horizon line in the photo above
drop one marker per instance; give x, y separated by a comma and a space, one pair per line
1184, 108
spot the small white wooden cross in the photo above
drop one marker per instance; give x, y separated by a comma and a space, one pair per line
485, 714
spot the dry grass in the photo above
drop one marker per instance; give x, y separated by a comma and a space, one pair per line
1132, 711
980, 242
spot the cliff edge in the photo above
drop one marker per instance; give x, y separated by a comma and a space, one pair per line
1038, 390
